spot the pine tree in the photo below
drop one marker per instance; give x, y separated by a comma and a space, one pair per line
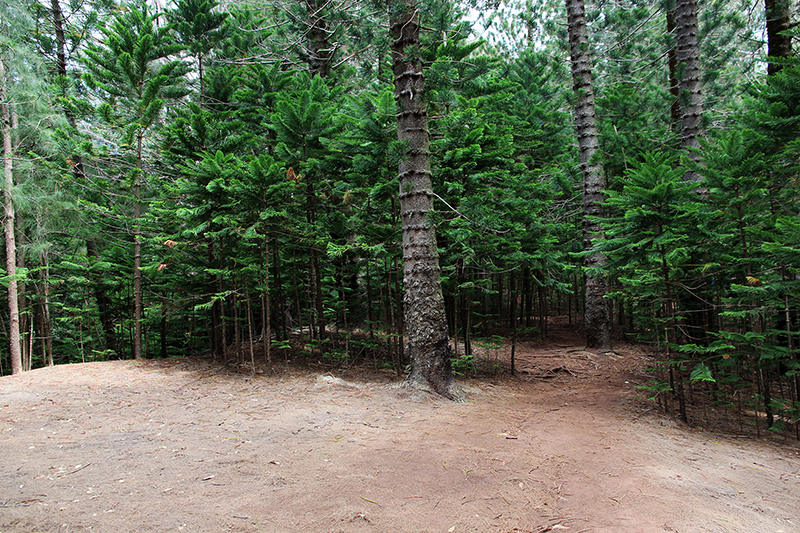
303, 120
15, 349
649, 236
29, 121
201, 28
596, 312
426, 323
131, 71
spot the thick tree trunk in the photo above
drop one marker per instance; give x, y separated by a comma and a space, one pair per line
425, 320
15, 349
61, 41
672, 63
689, 79
319, 49
596, 316
778, 21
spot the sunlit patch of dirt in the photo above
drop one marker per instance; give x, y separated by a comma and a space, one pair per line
566, 444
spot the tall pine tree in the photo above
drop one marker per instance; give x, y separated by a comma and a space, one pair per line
133, 74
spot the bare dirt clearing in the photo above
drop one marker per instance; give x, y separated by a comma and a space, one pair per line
187, 445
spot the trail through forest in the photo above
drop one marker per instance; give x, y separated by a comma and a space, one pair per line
189, 445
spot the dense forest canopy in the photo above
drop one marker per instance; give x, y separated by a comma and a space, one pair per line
233, 178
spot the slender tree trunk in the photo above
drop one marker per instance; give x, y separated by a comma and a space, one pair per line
47, 329
467, 294
163, 332
250, 329
778, 21
103, 303
15, 349
202, 81
267, 311
237, 331
426, 323
280, 309
298, 310
321, 325
310, 292
27, 360
26, 320
137, 255
689, 79
370, 313
513, 311
527, 304
597, 322
223, 325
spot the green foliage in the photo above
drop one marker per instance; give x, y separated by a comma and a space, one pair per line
268, 192
463, 365
199, 25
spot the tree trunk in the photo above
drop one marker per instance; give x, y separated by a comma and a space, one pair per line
280, 306
513, 311
689, 80
26, 319
137, 256
672, 64
319, 49
267, 332
103, 303
61, 41
778, 21
44, 277
163, 332
596, 317
425, 320
15, 350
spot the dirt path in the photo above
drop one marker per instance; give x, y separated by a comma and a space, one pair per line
183, 445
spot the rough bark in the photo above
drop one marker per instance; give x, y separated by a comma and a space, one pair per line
58, 24
425, 319
319, 49
689, 79
672, 61
597, 323
778, 21
15, 349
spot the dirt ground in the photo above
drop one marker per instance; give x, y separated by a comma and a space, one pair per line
189, 445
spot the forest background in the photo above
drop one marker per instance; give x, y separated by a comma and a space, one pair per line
201, 177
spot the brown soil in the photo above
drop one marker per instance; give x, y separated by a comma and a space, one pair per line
189, 445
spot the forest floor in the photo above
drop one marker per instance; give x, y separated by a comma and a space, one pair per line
190, 445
